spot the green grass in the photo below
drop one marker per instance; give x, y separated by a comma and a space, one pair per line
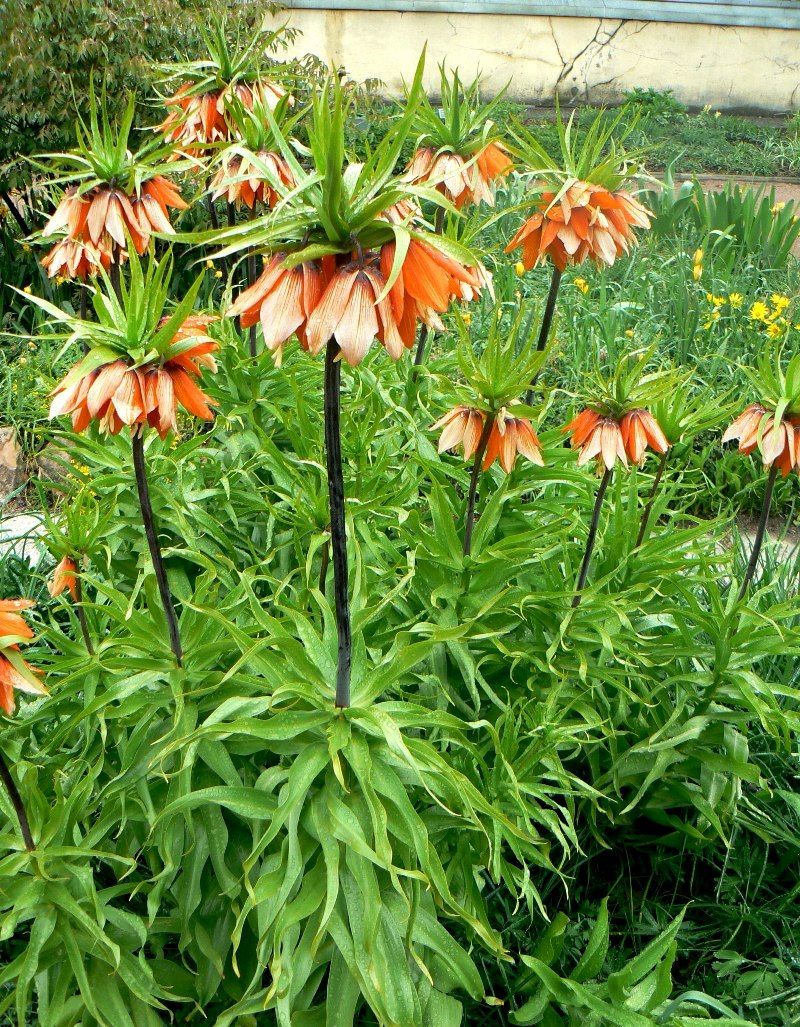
708, 141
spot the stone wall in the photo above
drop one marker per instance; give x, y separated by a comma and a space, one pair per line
731, 68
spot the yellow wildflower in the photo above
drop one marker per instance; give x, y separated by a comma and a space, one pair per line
759, 311
466, 317
582, 285
697, 271
629, 332
218, 274
209, 263
519, 267
779, 302
778, 207
774, 330
698, 256
32, 345
735, 300
27, 290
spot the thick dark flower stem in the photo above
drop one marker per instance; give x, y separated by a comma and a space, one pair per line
333, 452
17, 803
662, 463
212, 212
469, 519
592, 537
83, 312
114, 273
213, 217
14, 210
760, 531
547, 320
137, 441
81, 614
251, 277
426, 334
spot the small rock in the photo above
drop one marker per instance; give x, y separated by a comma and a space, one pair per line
11, 474
51, 463
19, 537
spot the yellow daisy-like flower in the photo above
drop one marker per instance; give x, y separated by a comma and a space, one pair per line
519, 267
735, 299
774, 330
779, 302
759, 311
582, 285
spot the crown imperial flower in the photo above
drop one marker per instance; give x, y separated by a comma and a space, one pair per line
585, 221
462, 180
508, 435
15, 673
118, 394
778, 441
610, 439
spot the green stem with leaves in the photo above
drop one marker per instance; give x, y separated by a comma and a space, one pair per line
81, 614
760, 531
662, 463
469, 519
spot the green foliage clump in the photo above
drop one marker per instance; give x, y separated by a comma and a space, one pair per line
51, 53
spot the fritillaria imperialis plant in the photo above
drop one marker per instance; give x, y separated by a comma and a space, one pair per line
142, 363
348, 267
206, 90
114, 198
616, 427
73, 535
16, 674
772, 426
251, 172
459, 152
581, 212
459, 149
489, 424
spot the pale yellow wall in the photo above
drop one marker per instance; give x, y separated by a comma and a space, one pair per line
587, 58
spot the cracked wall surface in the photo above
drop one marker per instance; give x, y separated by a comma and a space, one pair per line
731, 68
